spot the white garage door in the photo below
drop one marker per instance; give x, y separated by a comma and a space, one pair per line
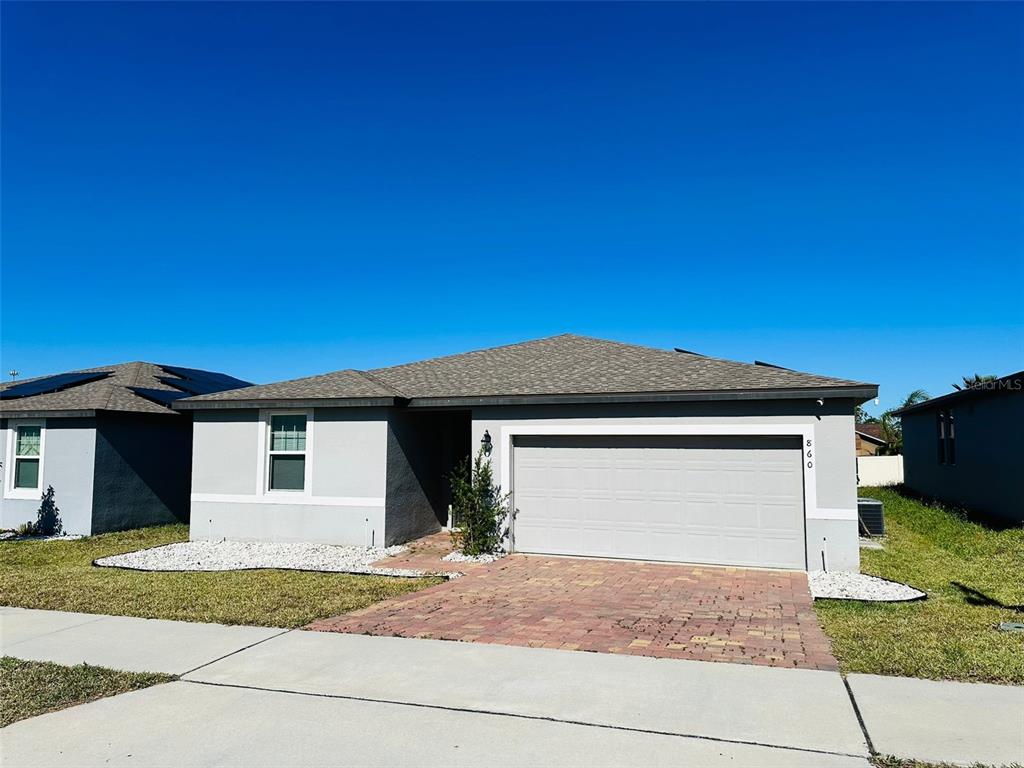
723, 500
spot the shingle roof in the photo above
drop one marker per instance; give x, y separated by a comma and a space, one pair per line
340, 384
135, 387
559, 366
872, 431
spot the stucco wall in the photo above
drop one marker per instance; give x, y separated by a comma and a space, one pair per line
69, 450
143, 466
348, 457
224, 451
986, 477
832, 424
343, 504
423, 448
280, 521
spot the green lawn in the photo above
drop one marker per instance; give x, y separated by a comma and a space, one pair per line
30, 688
888, 761
59, 576
971, 574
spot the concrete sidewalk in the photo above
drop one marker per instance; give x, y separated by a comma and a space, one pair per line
257, 696
942, 721
120, 642
741, 703
203, 726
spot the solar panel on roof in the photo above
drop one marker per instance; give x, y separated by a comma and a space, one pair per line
159, 396
184, 385
208, 381
51, 384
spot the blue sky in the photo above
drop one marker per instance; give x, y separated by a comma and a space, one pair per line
277, 190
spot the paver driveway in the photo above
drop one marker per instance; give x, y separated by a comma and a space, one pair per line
610, 606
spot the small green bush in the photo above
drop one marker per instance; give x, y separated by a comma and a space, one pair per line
49, 522
479, 508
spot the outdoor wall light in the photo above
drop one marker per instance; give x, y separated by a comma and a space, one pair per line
485, 443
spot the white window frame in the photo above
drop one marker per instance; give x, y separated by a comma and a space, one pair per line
264, 488
10, 458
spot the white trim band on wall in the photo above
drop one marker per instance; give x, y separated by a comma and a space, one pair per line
833, 514
297, 498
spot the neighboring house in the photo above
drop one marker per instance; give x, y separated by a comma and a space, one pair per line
868, 439
108, 442
609, 450
965, 448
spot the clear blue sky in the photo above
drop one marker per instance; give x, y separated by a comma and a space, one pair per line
278, 190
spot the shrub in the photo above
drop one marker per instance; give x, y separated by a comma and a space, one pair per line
479, 508
48, 521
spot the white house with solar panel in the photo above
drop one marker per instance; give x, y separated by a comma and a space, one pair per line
106, 440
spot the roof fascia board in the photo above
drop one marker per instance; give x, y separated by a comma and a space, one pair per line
189, 404
860, 394
44, 414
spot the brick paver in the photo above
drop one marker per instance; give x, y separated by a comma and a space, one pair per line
610, 606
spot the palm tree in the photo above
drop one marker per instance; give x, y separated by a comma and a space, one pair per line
863, 417
892, 429
970, 382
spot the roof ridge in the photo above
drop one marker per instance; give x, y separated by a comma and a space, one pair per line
132, 382
478, 351
374, 380
714, 359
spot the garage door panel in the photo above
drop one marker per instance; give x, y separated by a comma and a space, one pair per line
701, 513
629, 479
742, 549
664, 512
596, 478
739, 515
780, 515
777, 482
702, 480
739, 481
630, 540
705, 545
705, 500
665, 478
776, 552
624, 511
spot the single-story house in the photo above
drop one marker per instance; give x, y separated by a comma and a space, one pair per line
868, 439
108, 442
608, 449
965, 448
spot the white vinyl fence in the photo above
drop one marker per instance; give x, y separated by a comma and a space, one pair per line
879, 470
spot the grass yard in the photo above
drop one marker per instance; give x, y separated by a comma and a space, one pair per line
889, 761
30, 688
59, 576
973, 576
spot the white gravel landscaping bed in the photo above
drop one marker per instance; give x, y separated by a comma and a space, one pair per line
459, 557
244, 555
842, 585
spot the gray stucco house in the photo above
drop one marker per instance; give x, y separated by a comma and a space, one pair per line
965, 448
108, 442
608, 449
